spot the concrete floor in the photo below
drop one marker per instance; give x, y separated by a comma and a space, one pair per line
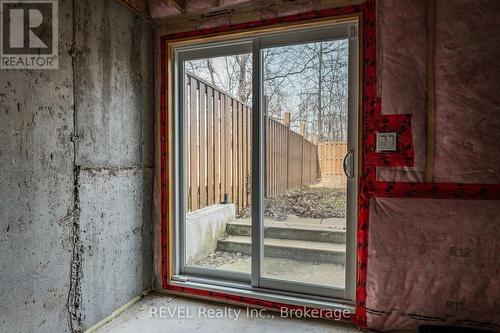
194, 316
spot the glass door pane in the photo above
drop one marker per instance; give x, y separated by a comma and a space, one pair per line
216, 159
302, 118
305, 88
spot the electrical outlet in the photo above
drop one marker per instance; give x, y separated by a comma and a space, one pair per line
386, 141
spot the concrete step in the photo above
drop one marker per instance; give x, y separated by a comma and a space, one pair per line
287, 248
313, 233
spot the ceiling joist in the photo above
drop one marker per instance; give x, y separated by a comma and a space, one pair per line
140, 7
180, 5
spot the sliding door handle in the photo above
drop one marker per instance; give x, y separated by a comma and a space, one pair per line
349, 164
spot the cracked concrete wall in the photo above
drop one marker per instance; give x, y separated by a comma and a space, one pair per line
36, 192
75, 215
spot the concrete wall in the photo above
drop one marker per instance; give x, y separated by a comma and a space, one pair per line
204, 228
75, 214
37, 192
114, 121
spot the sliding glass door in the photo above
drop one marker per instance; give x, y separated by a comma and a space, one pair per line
309, 142
266, 161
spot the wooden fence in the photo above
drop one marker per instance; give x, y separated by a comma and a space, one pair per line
331, 156
219, 146
219, 150
292, 160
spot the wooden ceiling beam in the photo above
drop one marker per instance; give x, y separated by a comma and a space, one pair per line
180, 5
140, 7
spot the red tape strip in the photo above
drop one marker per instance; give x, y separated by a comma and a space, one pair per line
403, 156
370, 111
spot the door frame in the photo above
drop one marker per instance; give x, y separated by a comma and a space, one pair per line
175, 279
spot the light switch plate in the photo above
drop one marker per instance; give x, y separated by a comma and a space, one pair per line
386, 141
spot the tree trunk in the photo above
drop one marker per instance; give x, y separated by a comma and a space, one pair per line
242, 64
320, 86
211, 70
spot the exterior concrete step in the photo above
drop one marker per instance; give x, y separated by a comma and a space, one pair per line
313, 233
287, 248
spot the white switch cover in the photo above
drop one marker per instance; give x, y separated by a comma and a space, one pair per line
386, 141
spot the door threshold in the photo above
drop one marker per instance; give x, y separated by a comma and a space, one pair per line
339, 306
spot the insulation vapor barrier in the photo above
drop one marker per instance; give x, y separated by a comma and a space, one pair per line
437, 261
433, 261
402, 75
467, 92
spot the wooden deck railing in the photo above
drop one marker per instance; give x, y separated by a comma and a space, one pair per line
219, 150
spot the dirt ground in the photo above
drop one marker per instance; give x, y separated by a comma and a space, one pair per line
219, 258
325, 199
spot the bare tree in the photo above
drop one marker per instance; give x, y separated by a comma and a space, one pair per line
307, 80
